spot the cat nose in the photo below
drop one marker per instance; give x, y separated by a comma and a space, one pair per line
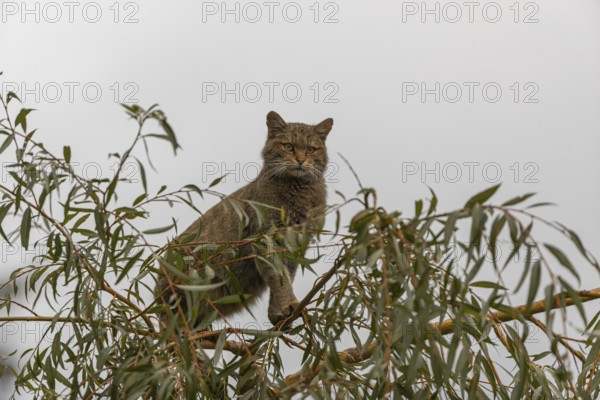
300, 160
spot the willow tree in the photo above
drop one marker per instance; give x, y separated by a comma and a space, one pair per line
422, 322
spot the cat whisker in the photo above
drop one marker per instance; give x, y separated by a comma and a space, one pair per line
275, 169
314, 172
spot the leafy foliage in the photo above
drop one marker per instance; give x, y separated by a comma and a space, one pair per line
422, 322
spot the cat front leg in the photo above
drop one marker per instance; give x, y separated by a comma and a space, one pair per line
279, 310
282, 300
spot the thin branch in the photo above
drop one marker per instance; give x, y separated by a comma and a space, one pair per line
309, 296
5, 300
542, 326
352, 170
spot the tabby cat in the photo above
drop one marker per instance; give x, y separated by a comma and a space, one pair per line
292, 179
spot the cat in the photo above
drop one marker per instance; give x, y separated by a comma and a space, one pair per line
292, 179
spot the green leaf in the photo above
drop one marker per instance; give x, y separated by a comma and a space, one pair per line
575, 296
418, 208
139, 199
563, 259
110, 190
10, 96
449, 226
170, 134
140, 368
534, 283
6, 143
134, 108
478, 219
497, 226
156, 231
517, 200
80, 221
86, 232
99, 220
216, 181
488, 285
22, 118
482, 197
142, 175
537, 357
513, 229
579, 244
67, 154
543, 204
232, 299
26, 228
3, 211
130, 265
194, 188
433, 203
201, 288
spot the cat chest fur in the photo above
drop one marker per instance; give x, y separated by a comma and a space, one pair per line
297, 199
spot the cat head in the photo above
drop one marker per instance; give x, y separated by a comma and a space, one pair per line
295, 150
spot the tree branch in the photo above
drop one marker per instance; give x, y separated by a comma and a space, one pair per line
354, 355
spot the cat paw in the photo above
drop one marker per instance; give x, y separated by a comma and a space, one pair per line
276, 316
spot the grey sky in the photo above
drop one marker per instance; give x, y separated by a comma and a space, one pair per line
514, 100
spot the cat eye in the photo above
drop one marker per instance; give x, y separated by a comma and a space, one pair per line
288, 147
311, 150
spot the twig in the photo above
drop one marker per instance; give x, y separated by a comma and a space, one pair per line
352, 170
309, 296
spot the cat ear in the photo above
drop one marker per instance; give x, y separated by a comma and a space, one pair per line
324, 128
275, 124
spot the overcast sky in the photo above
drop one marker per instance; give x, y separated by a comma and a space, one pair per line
457, 96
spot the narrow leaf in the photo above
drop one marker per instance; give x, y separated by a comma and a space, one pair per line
26, 227
482, 197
